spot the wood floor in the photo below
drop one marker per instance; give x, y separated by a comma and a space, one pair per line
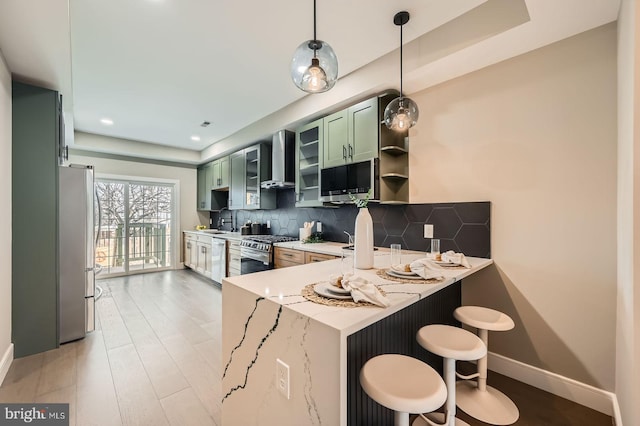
154, 359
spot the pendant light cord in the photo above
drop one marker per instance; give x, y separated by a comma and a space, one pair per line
401, 26
314, 21
315, 40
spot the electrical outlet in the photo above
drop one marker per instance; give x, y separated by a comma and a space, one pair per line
282, 378
428, 230
268, 224
210, 221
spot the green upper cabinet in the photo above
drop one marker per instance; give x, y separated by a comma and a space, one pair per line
336, 143
213, 176
257, 163
205, 175
351, 135
363, 130
220, 173
236, 184
249, 167
309, 143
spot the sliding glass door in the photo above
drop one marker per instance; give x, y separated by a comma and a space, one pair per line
137, 222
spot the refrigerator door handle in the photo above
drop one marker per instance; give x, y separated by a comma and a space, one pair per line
90, 288
97, 197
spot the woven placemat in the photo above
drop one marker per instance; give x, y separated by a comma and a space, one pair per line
382, 273
308, 293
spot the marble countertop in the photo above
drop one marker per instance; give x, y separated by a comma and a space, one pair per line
328, 247
283, 286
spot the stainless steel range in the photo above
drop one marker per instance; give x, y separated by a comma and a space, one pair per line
256, 252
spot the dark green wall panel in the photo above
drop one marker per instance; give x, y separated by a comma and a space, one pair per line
35, 220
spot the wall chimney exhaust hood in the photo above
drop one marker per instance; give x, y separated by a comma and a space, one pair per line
283, 157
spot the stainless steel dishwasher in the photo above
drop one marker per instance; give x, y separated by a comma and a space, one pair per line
218, 259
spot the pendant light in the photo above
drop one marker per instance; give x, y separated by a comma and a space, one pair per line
401, 113
314, 67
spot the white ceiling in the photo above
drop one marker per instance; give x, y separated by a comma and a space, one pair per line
158, 68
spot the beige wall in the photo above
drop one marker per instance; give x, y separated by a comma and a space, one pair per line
536, 136
5, 212
628, 325
189, 217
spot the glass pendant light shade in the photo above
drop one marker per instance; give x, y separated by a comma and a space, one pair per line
314, 67
401, 113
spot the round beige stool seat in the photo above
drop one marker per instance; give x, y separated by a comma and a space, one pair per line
483, 318
452, 344
477, 399
403, 384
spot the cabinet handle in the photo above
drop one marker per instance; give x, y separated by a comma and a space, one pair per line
344, 152
287, 254
350, 151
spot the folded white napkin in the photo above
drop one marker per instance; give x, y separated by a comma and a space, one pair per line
334, 280
363, 290
399, 268
425, 269
452, 256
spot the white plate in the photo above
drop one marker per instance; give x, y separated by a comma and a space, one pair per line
403, 275
323, 290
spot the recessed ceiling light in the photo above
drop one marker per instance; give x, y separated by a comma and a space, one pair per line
195, 138
106, 121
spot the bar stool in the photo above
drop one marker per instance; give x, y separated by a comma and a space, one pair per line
451, 343
403, 384
479, 400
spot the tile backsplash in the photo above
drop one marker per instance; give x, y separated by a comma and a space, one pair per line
463, 227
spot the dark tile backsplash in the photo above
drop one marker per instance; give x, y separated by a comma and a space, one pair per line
463, 227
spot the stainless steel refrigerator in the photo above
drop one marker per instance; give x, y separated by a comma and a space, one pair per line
76, 252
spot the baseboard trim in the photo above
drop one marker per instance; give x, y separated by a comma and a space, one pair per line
5, 363
617, 416
573, 390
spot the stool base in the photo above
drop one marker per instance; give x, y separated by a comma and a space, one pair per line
438, 418
490, 406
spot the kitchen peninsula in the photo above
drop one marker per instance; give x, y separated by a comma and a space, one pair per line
265, 318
